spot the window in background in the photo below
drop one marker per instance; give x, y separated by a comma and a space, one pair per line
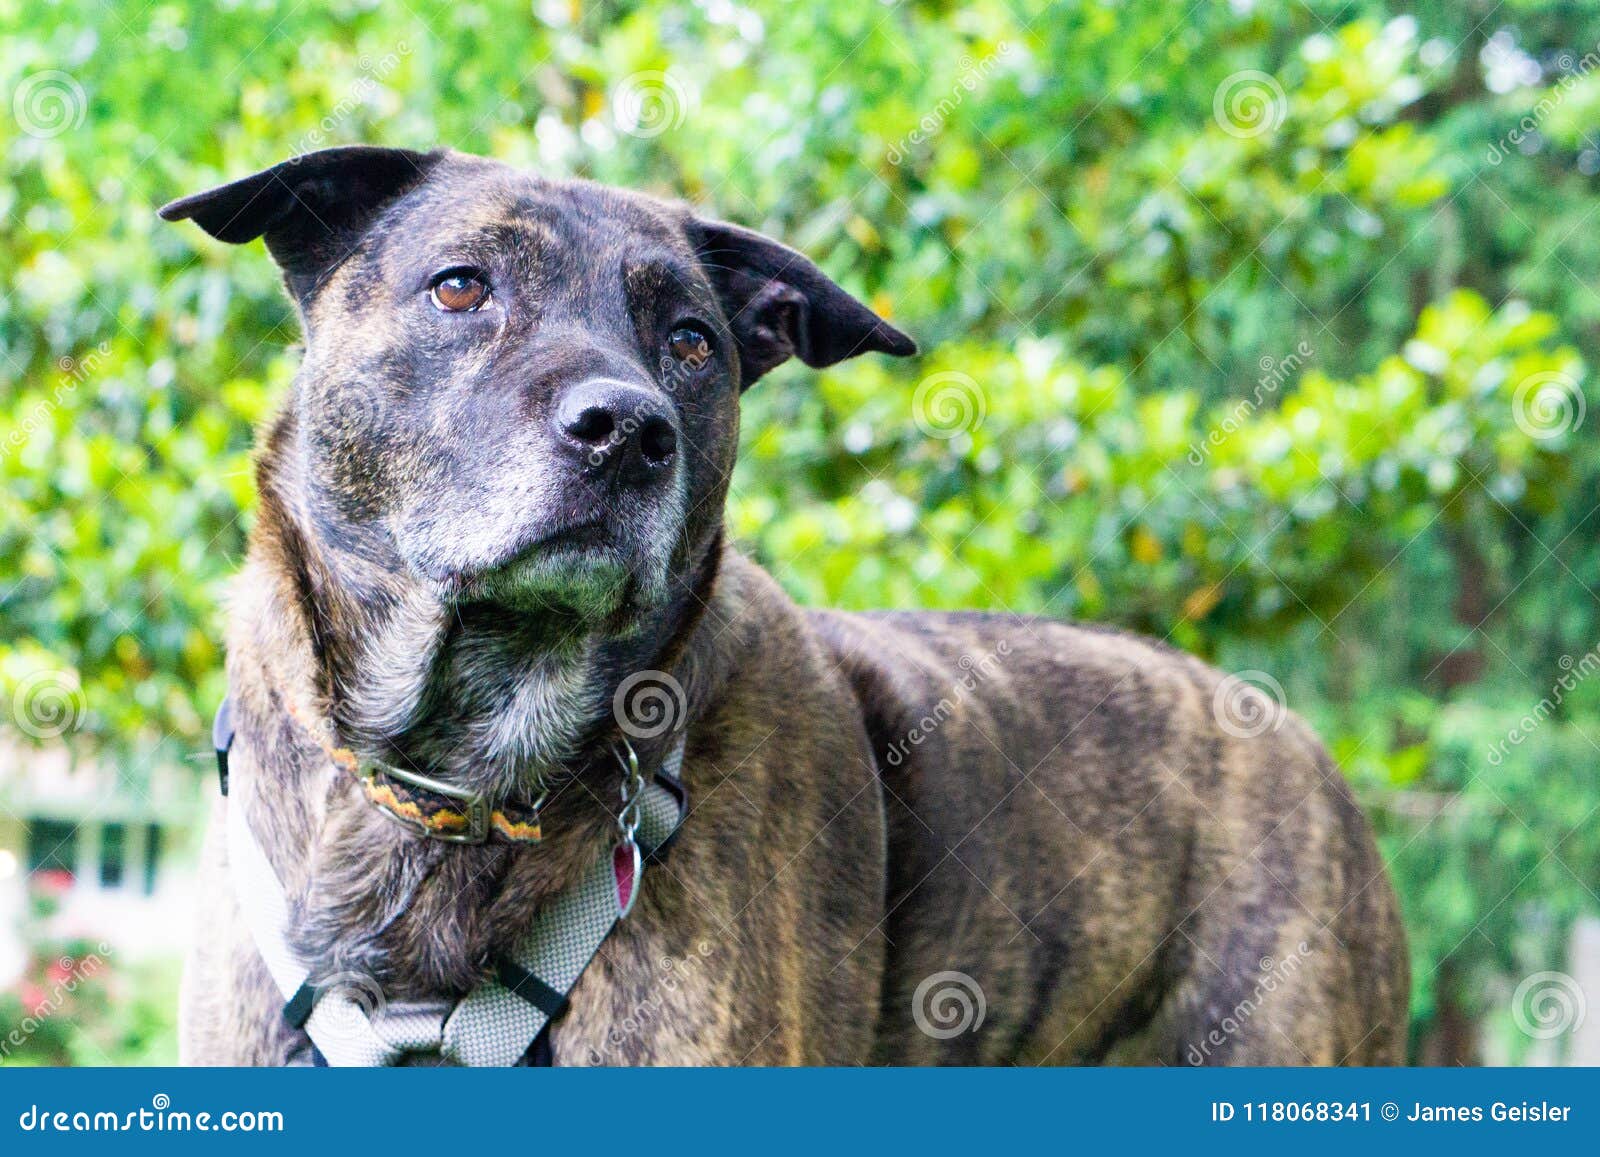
52, 846
152, 857
113, 855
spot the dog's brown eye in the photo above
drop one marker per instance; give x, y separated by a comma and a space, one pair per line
459, 290
690, 344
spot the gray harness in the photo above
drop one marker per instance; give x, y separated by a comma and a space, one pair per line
496, 1023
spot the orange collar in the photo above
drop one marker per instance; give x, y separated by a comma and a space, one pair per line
430, 807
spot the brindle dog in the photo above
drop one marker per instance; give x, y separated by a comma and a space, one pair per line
495, 496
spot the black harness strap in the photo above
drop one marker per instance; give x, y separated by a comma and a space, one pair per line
222, 740
675, 788
550, 1001
540, 1054
300, 1005
519, 980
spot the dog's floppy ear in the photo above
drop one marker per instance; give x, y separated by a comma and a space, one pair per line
311, 209
780, 305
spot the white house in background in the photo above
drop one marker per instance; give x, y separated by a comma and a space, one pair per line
125, 845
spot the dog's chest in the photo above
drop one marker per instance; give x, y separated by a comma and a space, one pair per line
411, 915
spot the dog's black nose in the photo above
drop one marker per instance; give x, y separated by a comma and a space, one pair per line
612, 424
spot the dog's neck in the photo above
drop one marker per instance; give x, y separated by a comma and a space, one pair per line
488, 698
477, 696
329, 637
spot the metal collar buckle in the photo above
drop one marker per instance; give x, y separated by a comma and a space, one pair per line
473, 805
626, 860
632, 789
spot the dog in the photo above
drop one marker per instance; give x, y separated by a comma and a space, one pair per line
493, 504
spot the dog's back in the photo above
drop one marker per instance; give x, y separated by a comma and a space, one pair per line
1103, 849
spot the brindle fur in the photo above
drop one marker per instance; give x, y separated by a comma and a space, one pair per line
1071, 827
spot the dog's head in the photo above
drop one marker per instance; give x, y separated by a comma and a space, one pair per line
519, 390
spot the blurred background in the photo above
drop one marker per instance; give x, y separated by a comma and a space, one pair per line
1262, 328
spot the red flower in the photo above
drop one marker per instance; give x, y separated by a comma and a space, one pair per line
56, 881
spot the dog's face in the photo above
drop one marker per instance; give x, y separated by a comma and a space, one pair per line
524, 391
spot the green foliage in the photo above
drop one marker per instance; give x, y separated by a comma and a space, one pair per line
1260, 332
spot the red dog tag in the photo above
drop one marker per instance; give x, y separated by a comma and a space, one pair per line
625, 866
